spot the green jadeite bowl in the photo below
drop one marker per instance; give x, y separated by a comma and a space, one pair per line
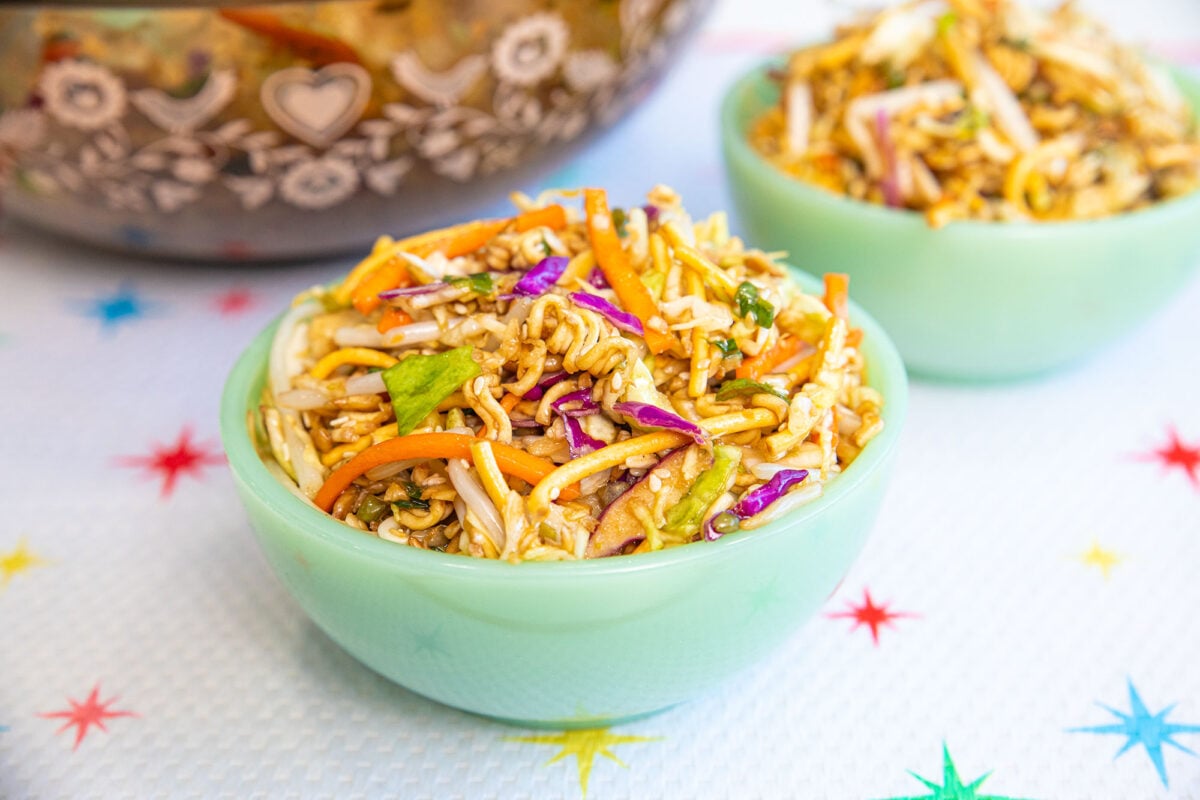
973, 300
567, 644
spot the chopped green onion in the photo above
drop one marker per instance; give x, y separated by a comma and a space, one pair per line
479, 282
751, 305
972, 120
620, 219
741, 387
728, 347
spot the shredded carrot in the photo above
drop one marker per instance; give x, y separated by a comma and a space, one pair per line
512, 461
837, 294
392, 318
614, 262
379, 272
314, 47
386, 249
854, 337
553, 217
392, 275
509, 402
763, 363
423, 244
470, 238
383, 250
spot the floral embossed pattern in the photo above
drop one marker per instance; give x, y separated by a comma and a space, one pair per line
308, 106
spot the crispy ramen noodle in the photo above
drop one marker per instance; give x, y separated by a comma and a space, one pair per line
564, 385
983, 109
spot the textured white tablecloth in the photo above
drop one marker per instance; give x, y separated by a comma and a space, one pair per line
1033, 571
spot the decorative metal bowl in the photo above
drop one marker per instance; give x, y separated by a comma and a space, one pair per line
302, 129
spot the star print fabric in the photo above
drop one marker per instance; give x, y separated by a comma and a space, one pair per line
1021, 624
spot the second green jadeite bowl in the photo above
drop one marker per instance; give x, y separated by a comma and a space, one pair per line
972, 300
567, 644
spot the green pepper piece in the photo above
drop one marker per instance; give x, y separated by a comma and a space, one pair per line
371, 509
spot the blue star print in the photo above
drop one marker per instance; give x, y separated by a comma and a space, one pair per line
1151, 731
135, 236
123, 305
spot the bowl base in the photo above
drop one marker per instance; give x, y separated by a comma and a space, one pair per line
577, 723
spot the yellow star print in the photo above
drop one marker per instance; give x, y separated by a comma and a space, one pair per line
17, 561
585, 745
1097, 556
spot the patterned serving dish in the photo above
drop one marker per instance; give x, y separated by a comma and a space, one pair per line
302, 129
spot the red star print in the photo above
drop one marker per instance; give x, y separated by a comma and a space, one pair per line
82, 716
234, 301
181, 458
869, 614
1177, 454
236, 250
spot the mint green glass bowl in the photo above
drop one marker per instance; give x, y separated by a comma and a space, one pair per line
973, 300
568, 644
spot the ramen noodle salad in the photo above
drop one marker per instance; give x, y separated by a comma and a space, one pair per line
566, 383
983, 109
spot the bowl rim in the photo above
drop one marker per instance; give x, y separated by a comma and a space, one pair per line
744, 88
885, 368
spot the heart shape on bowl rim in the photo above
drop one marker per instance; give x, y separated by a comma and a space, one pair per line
317, 106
